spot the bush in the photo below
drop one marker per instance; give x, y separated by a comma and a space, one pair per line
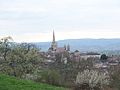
115, 77
91, 79
30, 77
48, 76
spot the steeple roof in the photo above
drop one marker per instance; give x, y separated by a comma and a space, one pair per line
53, 36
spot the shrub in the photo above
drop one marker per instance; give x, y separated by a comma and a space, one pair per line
91, 79
30, 77
49, 76
115, 77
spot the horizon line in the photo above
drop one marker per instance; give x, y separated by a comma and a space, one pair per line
67, 39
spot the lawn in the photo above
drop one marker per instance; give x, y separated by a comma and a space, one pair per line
11, 83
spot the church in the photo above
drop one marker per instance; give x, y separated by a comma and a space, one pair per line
54, 47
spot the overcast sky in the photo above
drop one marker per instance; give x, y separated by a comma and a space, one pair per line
34, 20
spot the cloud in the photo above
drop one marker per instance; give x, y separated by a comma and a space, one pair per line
21, 6
23, 17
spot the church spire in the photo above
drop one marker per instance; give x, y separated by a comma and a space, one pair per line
53, 36
54, 44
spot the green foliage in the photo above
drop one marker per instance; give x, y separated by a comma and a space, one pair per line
50, 76
11, 83
5, 47
18, 59
115, 77
103, 58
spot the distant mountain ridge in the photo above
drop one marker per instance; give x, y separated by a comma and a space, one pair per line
85, 44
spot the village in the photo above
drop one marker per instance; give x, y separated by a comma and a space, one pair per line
65, 55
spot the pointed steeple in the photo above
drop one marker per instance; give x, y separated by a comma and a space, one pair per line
54, 44
53, 36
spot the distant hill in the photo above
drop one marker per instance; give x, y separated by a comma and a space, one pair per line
86, 44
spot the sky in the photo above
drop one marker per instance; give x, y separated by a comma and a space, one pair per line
35, 20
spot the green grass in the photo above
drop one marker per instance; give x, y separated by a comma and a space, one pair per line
11, 83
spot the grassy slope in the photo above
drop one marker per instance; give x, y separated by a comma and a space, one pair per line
11, 83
